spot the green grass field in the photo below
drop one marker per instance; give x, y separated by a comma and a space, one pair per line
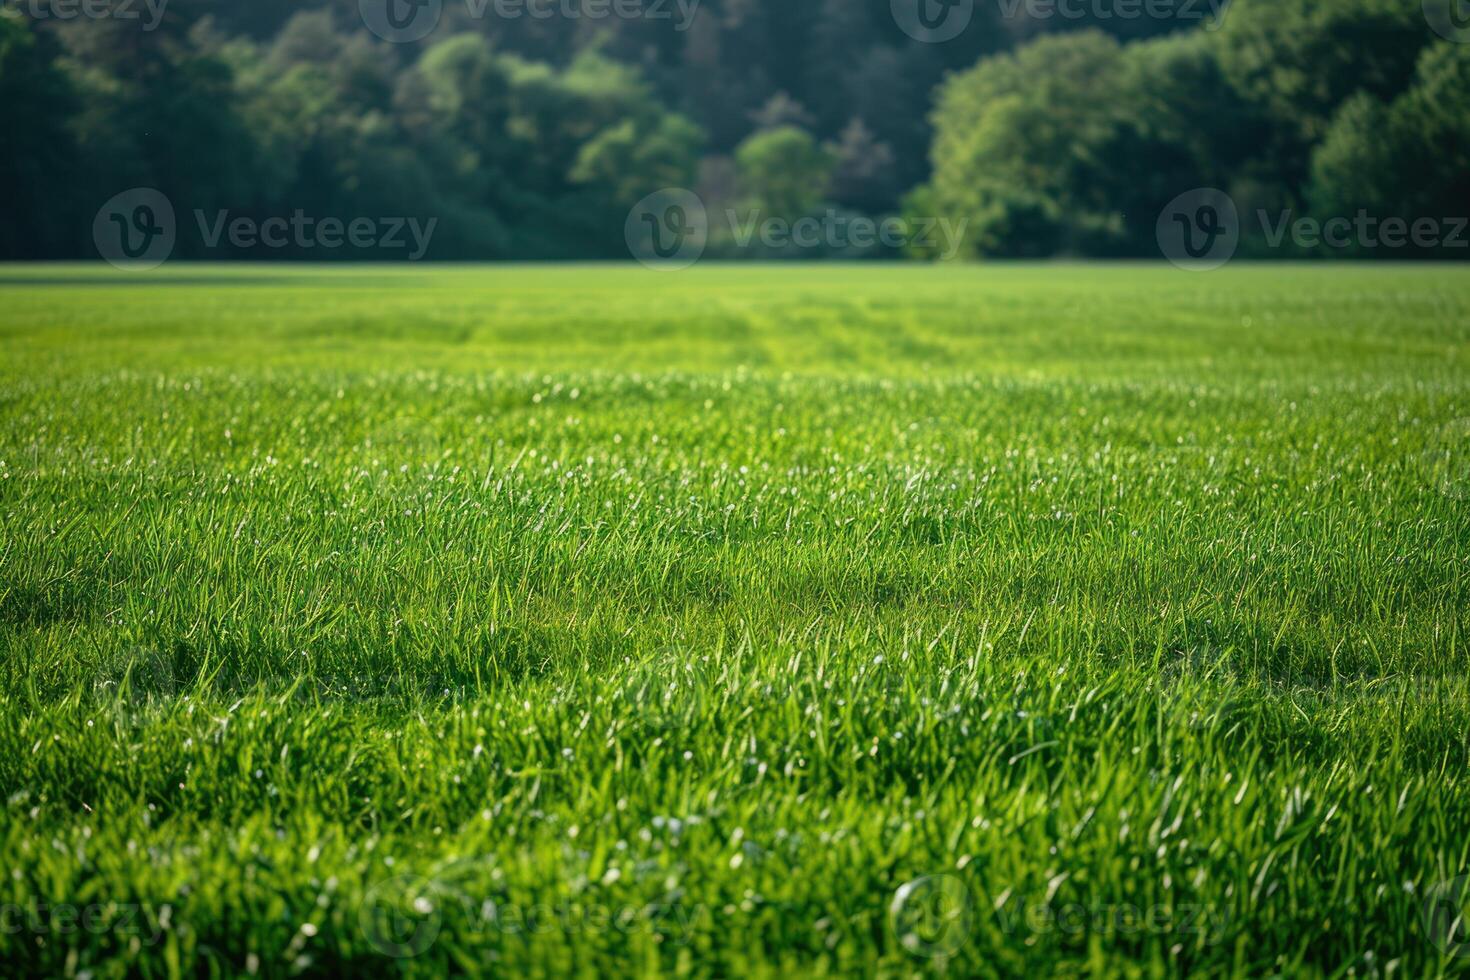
1011, 620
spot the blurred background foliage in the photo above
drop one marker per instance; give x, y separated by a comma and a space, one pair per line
530, 138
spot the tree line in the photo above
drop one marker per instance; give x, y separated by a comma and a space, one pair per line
531, 137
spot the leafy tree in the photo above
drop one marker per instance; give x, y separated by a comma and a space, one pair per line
36, 167
784, 172
1408, 158
1180, 95
626, 161
1027, 146
1434, 117
838, 35
156, 108
1301, 59
531, 136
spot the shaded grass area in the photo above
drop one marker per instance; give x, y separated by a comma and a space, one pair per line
1024, 619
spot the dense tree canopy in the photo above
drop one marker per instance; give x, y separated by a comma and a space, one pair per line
530, 137
1074, 144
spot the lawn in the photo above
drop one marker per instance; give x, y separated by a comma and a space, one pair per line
1005, 620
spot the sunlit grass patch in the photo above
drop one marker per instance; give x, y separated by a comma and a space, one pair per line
1025, 620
